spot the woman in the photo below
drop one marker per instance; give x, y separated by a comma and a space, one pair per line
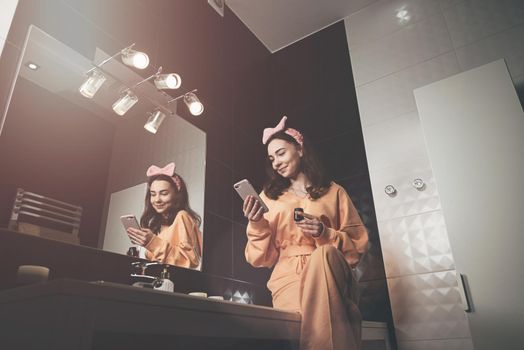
312, 258
169, 231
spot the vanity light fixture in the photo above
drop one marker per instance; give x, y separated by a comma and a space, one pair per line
95, 78
154, 121
125, 102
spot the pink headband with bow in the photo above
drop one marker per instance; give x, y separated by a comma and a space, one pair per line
268, 132
168, 170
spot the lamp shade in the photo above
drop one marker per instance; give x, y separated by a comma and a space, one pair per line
124, 103
92, 84
154, 122
193, 103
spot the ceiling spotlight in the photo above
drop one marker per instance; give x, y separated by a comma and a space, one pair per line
193, 103
154, 121
125, 102
135, 58
403, 15
32, 66
168, 81
92, 84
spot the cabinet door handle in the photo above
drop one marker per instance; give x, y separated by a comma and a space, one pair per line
464, 292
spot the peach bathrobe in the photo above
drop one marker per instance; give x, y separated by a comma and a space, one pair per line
179, 244
313, 276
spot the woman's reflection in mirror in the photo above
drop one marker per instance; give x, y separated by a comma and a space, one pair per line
170, 230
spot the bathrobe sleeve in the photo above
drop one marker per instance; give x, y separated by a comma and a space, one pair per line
350, 235
179, 244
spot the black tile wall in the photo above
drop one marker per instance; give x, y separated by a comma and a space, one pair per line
218, 250
218, 197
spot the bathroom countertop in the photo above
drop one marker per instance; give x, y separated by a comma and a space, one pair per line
69, 314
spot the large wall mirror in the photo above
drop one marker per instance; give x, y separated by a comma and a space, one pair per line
56, 143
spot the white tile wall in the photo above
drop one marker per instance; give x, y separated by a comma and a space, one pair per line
7, 11
411, 45
447, 3
472, 20
415, 244
2, 43
390, 60
394, 141
448, 344
427, 306
408, 200
508, 44
380, 19
392, 96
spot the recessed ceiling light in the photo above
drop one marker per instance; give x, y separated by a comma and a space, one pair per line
32, 66
403, 15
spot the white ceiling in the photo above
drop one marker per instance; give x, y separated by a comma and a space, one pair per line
279, 23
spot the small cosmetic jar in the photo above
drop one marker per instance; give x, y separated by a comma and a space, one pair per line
298, 214
30, 274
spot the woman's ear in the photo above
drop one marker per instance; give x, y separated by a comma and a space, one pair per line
300, 152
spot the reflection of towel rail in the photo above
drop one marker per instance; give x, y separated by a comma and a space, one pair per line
74, 218
24, 194
22, 200
51, 217
74, 225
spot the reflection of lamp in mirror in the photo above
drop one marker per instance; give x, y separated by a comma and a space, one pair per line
125, 102
92, 84
193, 103
168, 81
135, 58
154, 121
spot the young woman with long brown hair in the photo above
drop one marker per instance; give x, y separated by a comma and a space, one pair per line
311, 258
170, 228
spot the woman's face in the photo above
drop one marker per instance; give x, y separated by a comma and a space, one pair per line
284, 157
162, 195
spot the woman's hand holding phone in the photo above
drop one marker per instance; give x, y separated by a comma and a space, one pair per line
140, 237
253, 210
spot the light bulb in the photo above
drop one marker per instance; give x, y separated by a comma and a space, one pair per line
92, 84
193, 103
154, 121
168, 81
124, 103
136, 59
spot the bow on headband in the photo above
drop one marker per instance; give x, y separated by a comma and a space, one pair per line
168, 170
268, 132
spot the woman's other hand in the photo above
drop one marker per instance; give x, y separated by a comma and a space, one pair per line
140, 237
252, 209
311, 226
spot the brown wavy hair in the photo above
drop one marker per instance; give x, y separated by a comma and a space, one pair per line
310, 165
152, 220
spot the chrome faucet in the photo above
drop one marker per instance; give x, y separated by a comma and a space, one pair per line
141, 267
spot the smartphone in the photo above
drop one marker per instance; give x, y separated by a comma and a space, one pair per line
244, 189
130, 221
